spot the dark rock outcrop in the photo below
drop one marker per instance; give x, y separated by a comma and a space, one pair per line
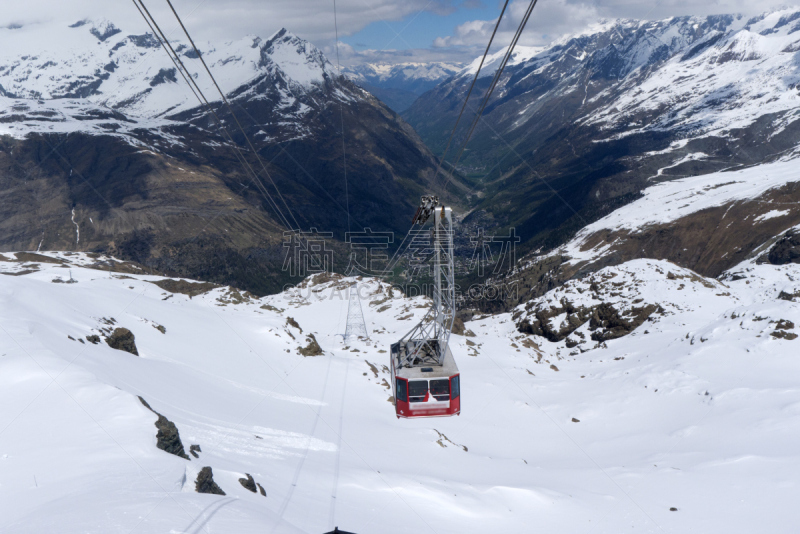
782, 330
291, 322
605, 321
123, 339
248, 483
168, 439
539, 323
786, 250
610, 324
191, 289
261, 489
205, 482
313, 348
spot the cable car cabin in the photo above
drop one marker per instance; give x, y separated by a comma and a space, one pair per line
427, 390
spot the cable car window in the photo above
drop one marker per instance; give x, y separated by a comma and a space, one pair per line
402, 390
417, 390
440, 389
455, 387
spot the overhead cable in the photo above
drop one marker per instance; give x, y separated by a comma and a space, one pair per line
204, 102
475, 79
341, 116
496, 78
236, 120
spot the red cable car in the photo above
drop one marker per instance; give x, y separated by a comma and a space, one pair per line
426, 391
425, 378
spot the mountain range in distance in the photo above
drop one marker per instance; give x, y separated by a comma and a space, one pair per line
399, 85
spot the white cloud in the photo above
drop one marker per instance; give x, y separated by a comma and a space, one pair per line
550, 18
210, 20
553, 18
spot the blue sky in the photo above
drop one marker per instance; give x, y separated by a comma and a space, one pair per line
419, 30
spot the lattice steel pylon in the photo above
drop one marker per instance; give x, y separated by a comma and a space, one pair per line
356, 327
427, 342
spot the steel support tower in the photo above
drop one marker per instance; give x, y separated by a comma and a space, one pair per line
426, 343
356, 327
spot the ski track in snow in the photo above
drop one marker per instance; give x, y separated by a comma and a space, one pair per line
698, 409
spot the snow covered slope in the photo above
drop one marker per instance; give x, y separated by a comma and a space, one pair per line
707, 223
102, 65
763, 192
696, 410
579, 128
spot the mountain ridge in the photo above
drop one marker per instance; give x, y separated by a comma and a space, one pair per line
400, 84
586, 124
135, 155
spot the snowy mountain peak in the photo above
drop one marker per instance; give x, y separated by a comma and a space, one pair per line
400, 84
519, 55
103, 29
102, 66
300, 60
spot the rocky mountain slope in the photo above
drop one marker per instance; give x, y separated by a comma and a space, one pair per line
708, 223
104, 140
399, 85
581, 127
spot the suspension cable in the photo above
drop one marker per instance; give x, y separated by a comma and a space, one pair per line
230, 108
167, 51
475, 79
204, 102
341, 116
496, 78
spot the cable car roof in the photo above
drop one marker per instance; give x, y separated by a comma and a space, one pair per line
447, 369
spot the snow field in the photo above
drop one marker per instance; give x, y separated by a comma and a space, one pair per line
311, 429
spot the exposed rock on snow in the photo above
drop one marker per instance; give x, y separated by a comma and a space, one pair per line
313, 348
33, 257
184, 287
248, 483
610, 303
205, 482
782, 330
168, 439
786, 250
123, 339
